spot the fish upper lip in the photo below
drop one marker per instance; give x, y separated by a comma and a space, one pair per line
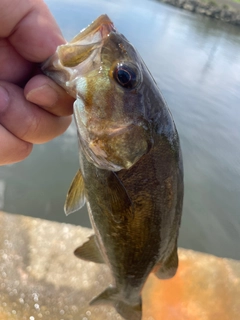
106, 26
103, 25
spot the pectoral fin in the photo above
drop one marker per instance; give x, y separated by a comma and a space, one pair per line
75, 199
89, 251
120, 204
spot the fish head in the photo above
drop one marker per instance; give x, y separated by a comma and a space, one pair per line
103, 71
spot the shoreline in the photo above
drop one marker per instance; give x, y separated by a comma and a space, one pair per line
224, 10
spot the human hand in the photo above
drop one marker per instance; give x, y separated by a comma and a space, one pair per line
41, 111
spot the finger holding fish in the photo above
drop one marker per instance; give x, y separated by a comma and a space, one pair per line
33, 117
45, 93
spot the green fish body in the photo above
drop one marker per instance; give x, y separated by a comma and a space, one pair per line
131, 174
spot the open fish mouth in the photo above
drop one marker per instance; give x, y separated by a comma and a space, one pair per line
88, 40
74, 58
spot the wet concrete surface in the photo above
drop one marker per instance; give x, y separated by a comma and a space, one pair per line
40, 278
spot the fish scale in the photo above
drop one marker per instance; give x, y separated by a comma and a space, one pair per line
131, 172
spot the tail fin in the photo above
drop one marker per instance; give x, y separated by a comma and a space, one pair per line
112, 296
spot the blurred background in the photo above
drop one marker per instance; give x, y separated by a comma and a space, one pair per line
196, 63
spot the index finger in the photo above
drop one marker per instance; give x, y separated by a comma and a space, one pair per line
30, 27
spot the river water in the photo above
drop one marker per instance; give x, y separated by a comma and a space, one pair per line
196, 63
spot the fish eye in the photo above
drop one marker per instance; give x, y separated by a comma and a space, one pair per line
127, 75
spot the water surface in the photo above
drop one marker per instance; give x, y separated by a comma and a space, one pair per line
196, 62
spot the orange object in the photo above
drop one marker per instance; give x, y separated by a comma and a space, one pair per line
205, 288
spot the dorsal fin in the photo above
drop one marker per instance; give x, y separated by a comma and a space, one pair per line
75, 199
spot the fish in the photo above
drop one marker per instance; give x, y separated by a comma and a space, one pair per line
131, 168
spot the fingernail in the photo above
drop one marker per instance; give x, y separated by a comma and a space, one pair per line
4, 99
43, 96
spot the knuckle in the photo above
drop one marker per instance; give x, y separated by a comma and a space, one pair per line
31, 130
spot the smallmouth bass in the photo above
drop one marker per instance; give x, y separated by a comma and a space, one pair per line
131, 174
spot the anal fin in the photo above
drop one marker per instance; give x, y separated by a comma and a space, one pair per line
127, 310
168, 268
89, 251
